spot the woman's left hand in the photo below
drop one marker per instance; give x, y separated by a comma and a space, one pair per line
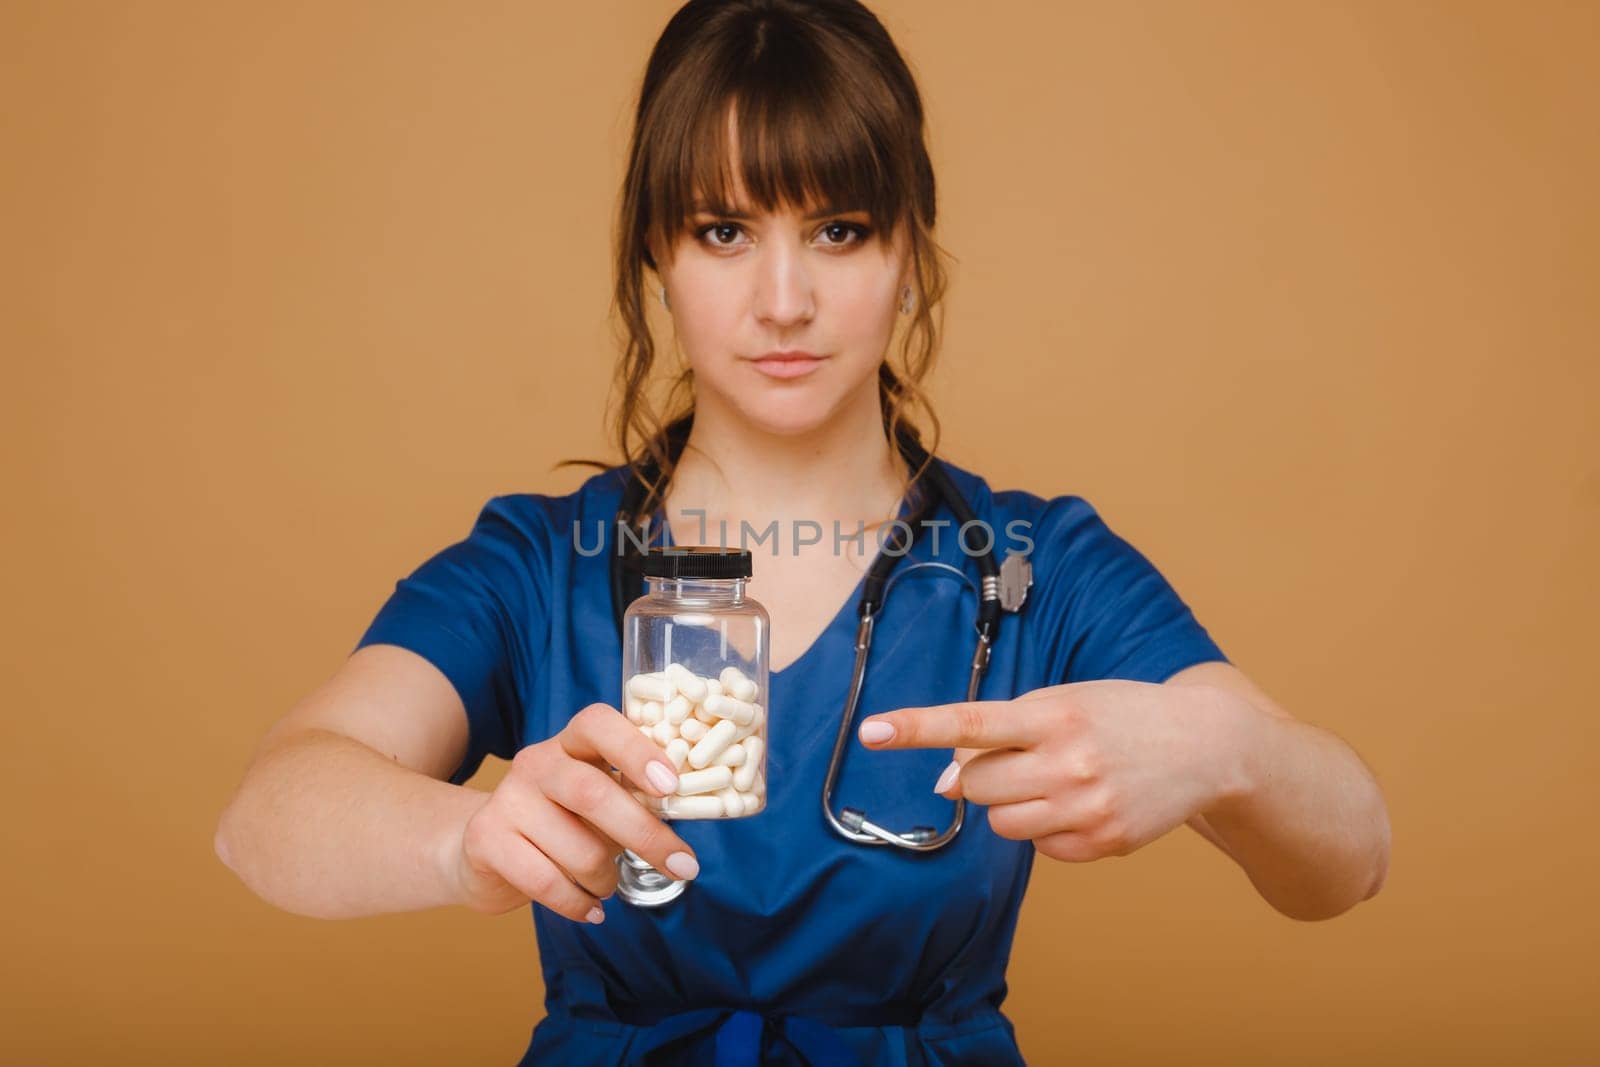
1084, 770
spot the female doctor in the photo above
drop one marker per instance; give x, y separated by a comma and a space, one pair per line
779, 205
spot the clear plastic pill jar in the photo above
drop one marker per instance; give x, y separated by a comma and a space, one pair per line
694, 679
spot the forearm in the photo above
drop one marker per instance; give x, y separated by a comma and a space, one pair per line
325, 826
1305, 819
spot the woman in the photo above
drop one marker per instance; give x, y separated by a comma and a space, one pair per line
780, 200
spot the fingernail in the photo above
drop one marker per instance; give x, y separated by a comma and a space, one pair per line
872, 732
948, 777
661, 776
682, 865
597, 915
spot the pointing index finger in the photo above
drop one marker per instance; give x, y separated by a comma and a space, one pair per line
967, 724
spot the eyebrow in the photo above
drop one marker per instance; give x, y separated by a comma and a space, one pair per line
728, 213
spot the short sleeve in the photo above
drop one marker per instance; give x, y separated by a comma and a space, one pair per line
1122, 618
467, 611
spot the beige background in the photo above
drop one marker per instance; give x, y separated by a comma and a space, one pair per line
1301, 296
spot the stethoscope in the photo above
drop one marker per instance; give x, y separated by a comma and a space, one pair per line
1003, 587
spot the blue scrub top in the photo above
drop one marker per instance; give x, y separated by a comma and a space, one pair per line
793, 946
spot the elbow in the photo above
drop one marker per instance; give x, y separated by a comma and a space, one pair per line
1373, 875
279, 893
1336, 890
235, 854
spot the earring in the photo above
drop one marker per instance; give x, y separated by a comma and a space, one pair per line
664, 299
907, 300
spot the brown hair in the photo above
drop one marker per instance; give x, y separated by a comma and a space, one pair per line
828, 113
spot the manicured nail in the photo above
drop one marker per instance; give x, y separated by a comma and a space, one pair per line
872, 732
682, 865
661, 776
597, 915
948, 777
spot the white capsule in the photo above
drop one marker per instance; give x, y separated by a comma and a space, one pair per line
651, 687
713, 744
650, 713
745, 776
739, 711
678, 752
731, 756
704, 713
692, 729
713, 687
732, 802
758, 719
646, 731
663, 733
759, 788
676, 710
633, 708
726, 707
696, 807
707, 781
736, 683
688, 683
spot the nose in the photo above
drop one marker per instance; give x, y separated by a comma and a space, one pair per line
783, 291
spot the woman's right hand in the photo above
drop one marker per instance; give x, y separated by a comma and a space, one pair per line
552, 829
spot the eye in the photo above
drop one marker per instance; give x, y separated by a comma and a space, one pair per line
845, 229
703, 233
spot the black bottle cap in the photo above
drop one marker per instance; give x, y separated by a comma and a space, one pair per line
697, 561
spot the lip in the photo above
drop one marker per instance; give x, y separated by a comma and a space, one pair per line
792, 364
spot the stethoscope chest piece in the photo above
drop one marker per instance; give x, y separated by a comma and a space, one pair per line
642, 885
1016, 575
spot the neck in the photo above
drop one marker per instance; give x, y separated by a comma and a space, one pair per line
844, 468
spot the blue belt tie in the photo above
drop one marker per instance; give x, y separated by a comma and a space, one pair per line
740, 1036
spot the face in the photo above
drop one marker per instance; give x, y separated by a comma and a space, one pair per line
748, 284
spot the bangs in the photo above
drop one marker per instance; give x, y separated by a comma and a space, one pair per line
751, 107
803, 136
